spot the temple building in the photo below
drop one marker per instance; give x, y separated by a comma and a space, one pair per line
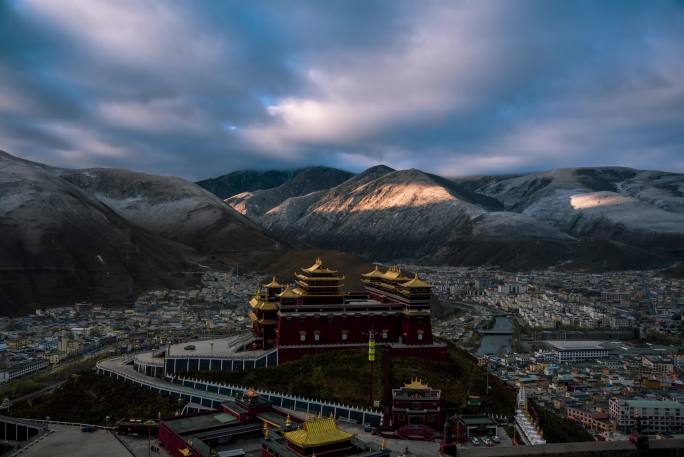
264, 313
416, 410
215, 432
318, 436
314, 313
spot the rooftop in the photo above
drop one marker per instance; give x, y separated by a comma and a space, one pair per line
319, 431
653, 404
564, 345
199, 422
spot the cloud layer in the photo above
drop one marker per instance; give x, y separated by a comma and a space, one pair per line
456, 87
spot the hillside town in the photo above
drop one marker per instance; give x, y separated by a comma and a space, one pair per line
604, 350
49, 337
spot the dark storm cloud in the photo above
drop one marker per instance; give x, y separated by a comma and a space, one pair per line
198, 89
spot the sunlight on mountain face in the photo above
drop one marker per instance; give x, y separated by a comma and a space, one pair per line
584, 201
395, 195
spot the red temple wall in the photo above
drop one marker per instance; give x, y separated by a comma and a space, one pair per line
173, 442
330, 330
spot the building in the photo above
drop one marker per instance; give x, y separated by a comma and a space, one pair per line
318, 436
264, 314
647, 416
23, 369
575, 351
416, 410
212, 432
315, 313
468, 427
595, 421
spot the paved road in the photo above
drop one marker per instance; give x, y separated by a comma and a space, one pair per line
115, 365
37, 393
70, 441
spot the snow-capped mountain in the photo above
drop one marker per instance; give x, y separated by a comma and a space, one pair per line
91, 234
586, 217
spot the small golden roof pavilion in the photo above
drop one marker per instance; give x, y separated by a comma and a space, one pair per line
318, 432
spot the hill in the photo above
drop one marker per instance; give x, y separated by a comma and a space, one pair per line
583, 218
305, 181
105, 235
343, 376
241, 181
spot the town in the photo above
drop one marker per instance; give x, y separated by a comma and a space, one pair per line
603, 350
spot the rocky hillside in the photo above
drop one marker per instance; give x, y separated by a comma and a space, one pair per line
245, 181
638, 208
174, 209
583, 218
102, 234
255, 204
389, 214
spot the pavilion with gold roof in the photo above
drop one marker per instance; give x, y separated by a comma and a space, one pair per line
315, 313
319, 436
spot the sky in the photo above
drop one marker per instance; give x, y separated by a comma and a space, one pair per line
200, 88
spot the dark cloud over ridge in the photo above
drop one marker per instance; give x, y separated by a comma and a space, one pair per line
197, 89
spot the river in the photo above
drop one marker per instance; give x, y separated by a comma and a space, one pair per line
492, 344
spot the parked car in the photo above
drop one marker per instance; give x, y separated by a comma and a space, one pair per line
496, 439
485, 441
87, 428
475, 441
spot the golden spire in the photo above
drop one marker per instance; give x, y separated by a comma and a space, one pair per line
288, 421
266, 429
382, 444
274, 284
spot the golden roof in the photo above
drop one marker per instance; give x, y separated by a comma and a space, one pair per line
416, 384
287, 293
273, 284
376, 273
318, 267
316, 432
318, 278
394, 273
415, 282
251, 393
263, 305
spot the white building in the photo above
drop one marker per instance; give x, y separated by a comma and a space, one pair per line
657, 416
574, 351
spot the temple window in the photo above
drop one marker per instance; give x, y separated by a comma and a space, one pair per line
302, 335
317, 335
385, 332
344, 335
419, 335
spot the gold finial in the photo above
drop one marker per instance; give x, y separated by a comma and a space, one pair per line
318, 260
266, 429
382, 443
288, 421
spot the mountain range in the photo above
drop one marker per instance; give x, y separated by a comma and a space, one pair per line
590, 218
106, 234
